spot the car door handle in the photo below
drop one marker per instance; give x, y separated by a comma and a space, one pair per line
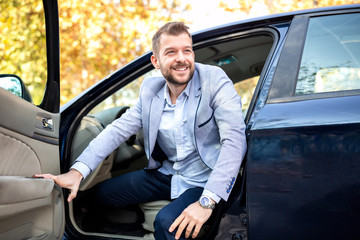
47, 123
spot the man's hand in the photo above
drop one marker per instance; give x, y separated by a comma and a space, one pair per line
193, 217
70, 180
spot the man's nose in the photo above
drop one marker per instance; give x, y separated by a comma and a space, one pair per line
180, 57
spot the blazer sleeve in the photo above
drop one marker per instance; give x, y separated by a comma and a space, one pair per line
226, 104
109, 139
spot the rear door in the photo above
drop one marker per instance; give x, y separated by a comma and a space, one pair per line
303, 156
29, 121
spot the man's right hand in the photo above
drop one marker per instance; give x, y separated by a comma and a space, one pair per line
70, 180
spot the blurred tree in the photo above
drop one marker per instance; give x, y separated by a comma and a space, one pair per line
98, 37
23, 43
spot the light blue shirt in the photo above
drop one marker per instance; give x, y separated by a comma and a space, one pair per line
183, 162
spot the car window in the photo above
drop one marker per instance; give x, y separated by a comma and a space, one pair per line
331, 56
126, 96
23, 44
242, 59
246, 90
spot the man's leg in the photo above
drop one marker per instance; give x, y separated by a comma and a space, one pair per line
169, 213
122, 191
134, 187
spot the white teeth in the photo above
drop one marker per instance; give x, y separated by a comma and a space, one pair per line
181, 69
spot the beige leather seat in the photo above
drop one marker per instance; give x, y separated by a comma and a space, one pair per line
150, 210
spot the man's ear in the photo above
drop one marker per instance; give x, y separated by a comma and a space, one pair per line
155, 62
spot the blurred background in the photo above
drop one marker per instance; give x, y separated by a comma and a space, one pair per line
99, 37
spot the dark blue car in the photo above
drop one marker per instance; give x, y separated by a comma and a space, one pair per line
299, 77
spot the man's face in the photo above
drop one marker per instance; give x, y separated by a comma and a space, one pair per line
176, 59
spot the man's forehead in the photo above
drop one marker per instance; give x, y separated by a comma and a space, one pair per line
167, 40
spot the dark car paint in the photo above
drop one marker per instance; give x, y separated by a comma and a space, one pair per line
303, 170
302, 175
303, 182
303, 159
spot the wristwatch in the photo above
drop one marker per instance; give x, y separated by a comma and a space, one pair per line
206, 202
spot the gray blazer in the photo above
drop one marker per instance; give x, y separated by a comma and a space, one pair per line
215, 123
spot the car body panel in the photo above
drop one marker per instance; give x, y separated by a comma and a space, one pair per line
314, 112
303, 181
303, 161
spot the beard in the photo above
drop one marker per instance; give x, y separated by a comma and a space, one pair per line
172, 79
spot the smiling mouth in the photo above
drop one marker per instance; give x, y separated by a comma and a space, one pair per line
181, 69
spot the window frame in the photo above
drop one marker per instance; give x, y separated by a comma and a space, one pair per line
268, 30
286, 75
51, 98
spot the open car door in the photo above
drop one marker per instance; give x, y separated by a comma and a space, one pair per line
30, 208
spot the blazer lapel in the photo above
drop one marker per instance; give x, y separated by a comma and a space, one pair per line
156, 109
192, 105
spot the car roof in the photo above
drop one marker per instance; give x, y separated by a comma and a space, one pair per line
279, 17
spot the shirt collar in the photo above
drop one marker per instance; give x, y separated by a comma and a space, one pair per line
184, 93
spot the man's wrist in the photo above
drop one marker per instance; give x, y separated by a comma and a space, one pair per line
82, 168
212, 195
76, 173
206, 202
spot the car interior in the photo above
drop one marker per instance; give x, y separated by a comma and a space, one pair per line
242, 57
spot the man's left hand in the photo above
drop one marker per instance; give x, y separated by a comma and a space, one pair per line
193, 217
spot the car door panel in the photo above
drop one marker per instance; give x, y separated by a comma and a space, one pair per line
29, 208
303, 155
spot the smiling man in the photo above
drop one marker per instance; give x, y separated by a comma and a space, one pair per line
194, 136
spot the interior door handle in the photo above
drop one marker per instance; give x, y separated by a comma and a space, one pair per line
47, 123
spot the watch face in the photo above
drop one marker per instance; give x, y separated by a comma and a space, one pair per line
204, 201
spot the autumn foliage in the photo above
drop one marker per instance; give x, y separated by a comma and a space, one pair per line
98, 37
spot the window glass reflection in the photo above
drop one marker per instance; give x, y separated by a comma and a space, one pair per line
331, 57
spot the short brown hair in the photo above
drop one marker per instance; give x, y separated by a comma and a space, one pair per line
170, 28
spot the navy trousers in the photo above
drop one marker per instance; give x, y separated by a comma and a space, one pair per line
145, 186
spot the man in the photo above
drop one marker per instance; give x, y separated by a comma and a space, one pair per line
193, 136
